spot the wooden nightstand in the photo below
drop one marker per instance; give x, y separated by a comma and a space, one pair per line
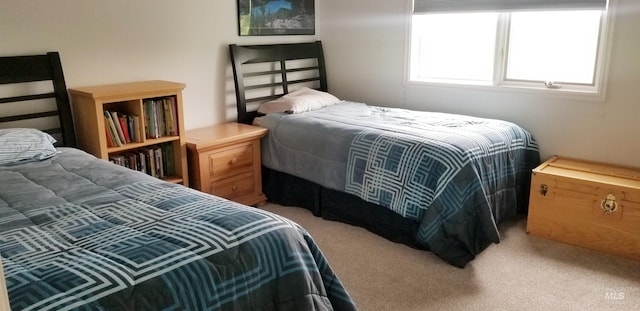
224, 160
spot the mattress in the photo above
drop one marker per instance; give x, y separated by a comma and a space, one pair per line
456, 176
79, 233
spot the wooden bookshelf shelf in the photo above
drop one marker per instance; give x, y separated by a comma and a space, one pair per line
149, 114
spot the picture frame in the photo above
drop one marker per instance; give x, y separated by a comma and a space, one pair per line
276, 17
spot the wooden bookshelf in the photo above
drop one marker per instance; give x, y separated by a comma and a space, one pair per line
131, 100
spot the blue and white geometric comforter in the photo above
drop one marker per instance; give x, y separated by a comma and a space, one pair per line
78, 233
457, 176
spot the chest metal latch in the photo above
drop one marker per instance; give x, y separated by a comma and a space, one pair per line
609, 204
544, 189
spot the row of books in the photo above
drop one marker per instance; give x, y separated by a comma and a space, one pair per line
157, 161
121, 128
161, 117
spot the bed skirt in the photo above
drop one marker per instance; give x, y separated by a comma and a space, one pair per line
288, 190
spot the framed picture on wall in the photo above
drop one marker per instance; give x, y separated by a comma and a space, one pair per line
276, 17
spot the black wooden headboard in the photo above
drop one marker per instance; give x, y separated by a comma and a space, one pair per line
265, 72
28, 85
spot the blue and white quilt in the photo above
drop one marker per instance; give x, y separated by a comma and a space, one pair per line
78, 233
457, 176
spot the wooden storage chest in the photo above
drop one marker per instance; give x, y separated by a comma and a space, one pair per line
588, 204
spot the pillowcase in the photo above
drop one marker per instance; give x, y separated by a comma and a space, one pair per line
19, 145
300, 100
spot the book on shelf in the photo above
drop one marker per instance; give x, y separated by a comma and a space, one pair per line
151, 161
160, 117
136, 128
174, 117
169, 165
122, 128
142, 162
170, 114
151, 118
110, 124
110, 142
125, 128
157, 161
134, 161
117, 159
166, 111
116, 121
128, 120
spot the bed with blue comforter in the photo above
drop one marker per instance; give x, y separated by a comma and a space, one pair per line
450, 178
78, 233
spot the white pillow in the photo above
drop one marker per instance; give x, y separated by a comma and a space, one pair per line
300, 100
18, 145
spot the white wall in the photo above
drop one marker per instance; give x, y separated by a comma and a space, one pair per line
186, 41
113, 41
364, 44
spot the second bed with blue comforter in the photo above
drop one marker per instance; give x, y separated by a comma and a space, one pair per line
457, 176
78, 233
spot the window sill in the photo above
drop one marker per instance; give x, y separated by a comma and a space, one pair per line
582, 93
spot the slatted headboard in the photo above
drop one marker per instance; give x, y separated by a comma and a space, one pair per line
33, 94
265, 72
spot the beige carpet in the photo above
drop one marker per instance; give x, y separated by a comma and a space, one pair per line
523, 272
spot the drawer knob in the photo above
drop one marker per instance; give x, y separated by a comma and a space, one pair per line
234, 188
233, 161
609, 204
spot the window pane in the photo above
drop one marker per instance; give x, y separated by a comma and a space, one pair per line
453, 46
553, 46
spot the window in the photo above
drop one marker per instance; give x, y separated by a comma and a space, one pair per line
547, 47
461, 53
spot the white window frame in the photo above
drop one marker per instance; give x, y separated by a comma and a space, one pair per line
596, 91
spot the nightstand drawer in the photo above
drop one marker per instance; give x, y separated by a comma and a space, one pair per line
234, 187
232, 161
